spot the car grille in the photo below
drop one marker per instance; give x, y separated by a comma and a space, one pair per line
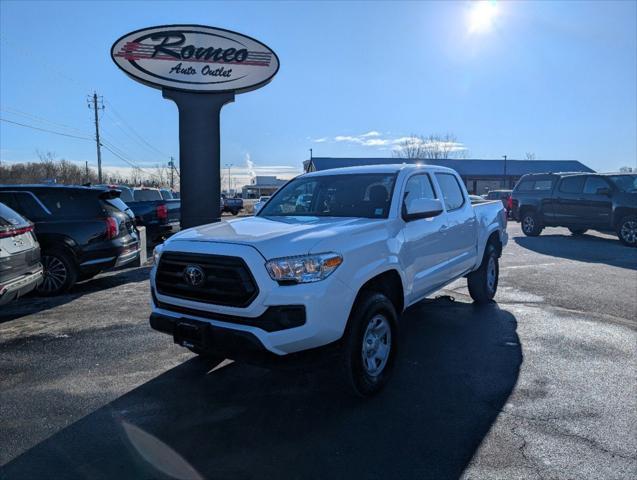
227, 281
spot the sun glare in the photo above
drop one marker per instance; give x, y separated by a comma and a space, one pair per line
482, 15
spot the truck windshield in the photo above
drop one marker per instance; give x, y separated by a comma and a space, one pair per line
625, 183
352, 195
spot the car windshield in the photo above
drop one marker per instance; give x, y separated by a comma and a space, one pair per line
352, 195
625, 183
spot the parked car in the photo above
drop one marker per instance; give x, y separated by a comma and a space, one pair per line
503, 195
579, 202
160, 217
166, 194
81, 230
20, 267
231, 205
336, 277
259, 205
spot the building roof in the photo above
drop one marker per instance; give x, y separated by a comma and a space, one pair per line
387, 168
465, 167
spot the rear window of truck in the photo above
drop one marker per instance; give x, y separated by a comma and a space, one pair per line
146, 195
535, 186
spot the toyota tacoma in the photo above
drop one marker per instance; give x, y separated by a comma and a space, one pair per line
333, 272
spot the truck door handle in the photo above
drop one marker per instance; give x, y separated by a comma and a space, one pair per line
444, 228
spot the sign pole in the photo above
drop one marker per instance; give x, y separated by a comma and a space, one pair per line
199, 154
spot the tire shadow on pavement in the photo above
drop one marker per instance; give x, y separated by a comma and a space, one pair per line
458, 364
32, 304
582, 248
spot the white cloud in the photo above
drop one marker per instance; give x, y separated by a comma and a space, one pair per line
372, 133
375, 139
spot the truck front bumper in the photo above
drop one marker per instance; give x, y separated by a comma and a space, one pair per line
272, 318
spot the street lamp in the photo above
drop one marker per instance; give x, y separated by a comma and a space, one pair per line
505, 170
228, 165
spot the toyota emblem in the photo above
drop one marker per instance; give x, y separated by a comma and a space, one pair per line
194, 275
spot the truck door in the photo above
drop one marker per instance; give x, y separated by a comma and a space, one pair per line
568, 203
461, 233
597, 206
425, 252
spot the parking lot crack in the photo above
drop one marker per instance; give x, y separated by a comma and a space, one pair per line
554, 429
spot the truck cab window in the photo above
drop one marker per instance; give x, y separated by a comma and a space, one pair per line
451, 191
419, 186
572, 184
593, 183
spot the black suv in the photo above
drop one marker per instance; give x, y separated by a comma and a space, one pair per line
81, 230
578, 201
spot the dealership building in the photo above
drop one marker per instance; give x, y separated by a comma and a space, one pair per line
480, 176
262, 185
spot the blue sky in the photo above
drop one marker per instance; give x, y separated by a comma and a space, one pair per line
554, 78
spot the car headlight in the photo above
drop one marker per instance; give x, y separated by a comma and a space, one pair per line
304, 268
157, 253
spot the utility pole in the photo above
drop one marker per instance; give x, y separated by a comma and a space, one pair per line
86, 170
172, 172
93, 104
505, 171
228, 165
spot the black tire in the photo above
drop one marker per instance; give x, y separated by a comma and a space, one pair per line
578, 231
483, 283
627, 230
235, 212
530, 223
60, 273
371, 340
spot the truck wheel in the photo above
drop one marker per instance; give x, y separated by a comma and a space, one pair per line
627, 231
530, 224
483, 283
578, 231
60, 273
370, 344
235, 212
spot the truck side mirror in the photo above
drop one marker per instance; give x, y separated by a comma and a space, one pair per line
418, 208
603, 191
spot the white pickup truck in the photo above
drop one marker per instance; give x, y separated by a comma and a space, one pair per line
329, 263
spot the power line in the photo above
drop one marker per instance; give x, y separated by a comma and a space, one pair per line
44, 129
15, 111
135, 132
137, 143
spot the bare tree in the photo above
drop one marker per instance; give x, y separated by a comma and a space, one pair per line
49, 168
432, 147
529, 155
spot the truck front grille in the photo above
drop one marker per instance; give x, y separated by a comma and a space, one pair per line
225, 280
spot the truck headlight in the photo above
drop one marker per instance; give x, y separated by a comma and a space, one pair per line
304, 268
157, 253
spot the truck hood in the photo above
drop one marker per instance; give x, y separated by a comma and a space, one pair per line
275, 236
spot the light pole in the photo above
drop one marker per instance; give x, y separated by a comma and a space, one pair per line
505, 171
228, 166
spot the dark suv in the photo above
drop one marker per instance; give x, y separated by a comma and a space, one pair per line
578, 201
81, 230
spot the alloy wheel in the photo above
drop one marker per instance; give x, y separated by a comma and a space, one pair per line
528, 223
55, 274
376, 345
629, 231
491, 274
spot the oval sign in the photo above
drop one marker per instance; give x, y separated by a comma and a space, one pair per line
195, 58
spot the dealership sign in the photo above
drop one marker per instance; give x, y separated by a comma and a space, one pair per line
195, 58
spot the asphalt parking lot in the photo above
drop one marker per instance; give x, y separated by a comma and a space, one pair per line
541, 384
